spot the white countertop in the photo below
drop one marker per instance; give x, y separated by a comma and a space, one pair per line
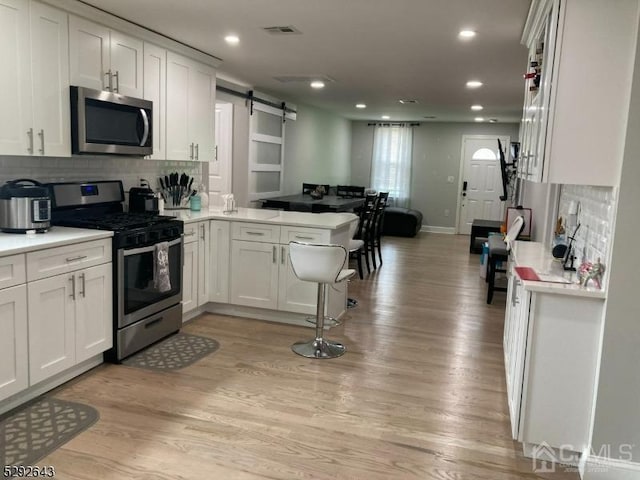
13, 243
538, 257
329, 221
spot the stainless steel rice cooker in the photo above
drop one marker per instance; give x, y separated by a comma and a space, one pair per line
24, 205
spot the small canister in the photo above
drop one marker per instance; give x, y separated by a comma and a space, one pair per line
195, 203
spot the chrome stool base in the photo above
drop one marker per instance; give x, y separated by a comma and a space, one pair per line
328, 321
352, 303
319, 348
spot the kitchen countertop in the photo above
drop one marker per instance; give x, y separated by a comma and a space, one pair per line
538, 257
329, 221
13, 243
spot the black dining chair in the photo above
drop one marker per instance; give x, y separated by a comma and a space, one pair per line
350, 191
375, 234
365, 224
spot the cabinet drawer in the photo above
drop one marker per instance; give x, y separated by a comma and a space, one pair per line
12, 271
255, 232
191, 232
303, 234
54, 261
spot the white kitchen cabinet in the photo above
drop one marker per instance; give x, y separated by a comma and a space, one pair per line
155, 90
190, 109
105, 59
571, 123
195, 285
219, 250
34, 92
14, 353
254, 274
293, 294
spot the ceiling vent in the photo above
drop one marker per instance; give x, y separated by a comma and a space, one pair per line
408, 101
304, 78
282, 30
429, 117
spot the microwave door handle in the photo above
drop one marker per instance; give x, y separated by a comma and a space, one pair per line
145, 122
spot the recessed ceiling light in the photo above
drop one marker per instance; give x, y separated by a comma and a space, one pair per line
385, 117
408, 101
360, 105
466, 34
479, 119
317, 84
476, 108
474, 84
232, 39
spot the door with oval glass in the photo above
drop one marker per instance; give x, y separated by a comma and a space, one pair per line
481, 181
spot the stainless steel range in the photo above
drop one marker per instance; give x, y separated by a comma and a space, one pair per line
144, 309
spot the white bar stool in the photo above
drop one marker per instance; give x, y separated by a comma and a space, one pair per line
322, 264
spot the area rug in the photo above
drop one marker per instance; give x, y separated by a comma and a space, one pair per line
36, 430
176, 352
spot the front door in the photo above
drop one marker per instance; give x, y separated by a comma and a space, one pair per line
481, 182
220, 166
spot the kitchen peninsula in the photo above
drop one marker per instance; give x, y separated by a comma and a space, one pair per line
238, 263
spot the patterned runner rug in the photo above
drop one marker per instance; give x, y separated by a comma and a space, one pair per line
36, 430
176, 352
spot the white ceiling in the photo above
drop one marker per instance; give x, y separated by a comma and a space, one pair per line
377, 51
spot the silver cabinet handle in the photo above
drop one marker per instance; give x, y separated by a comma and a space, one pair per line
110, 82
191, 154
117, 87
30, 135
72, 279
202, 235
275, 254
260, 234
41, 135
215, 156
73, 259
197, 151
282, 255
82, 291
190, 234
300, 237
145, 122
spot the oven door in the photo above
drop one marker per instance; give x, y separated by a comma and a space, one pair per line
137, 296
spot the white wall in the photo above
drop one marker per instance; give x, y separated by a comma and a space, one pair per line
436, 155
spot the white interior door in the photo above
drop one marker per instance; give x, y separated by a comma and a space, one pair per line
220, 166
481, 180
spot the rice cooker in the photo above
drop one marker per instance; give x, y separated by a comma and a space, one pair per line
24, 205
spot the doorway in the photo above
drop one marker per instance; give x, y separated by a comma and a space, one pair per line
480, 181
220, 167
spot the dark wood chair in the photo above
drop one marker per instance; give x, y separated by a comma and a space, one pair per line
362, 233
350, 191
375, 234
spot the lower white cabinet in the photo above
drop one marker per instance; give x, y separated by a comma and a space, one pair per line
195, 272
254, 278
293, 294
219, 244
14, 354
70, 320
190, 277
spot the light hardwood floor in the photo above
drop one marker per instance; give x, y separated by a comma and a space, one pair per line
420, 393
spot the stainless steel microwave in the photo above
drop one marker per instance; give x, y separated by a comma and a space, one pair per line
110, 123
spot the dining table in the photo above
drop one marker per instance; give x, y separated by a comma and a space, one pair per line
306, 203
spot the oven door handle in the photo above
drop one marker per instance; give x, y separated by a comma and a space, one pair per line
145, 122
150, 248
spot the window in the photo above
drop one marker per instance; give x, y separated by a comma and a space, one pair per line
391, 164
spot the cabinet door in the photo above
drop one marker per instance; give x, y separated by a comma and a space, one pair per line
51, 326
15, 81
219, 261
179, 146
518, 347
126, 64
294, 295
155, 89
254, 274
202, 106
190, 277
14, 354
94, 311
50, 67
204, 248
88, 54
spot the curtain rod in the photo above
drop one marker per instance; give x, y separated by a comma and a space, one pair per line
249, 96
401, 124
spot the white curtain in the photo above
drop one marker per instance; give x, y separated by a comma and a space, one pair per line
391, 163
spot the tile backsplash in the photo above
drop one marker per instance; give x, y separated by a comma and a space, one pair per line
596, 211
128, 169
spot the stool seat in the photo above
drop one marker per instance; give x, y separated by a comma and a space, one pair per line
497, 246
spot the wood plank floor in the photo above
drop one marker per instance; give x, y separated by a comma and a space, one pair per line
420, 393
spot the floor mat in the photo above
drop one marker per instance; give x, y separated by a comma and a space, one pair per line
176, 352
36, 430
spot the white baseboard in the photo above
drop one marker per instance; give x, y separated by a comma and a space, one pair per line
601, 468
432, 229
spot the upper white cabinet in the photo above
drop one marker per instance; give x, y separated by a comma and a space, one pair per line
190, 110
104, 59
575, 108
155, 90
34, 90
